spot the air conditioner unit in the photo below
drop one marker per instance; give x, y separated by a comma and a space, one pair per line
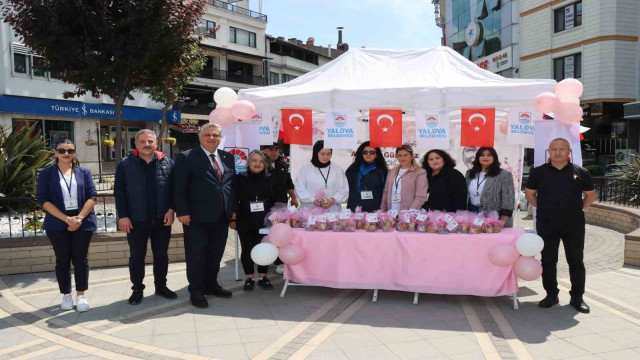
624, 155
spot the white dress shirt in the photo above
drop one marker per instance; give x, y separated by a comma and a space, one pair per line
218, 159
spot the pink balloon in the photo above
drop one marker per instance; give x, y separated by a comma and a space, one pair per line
221, 116
568, 112
243, 110
266, 239
569, 90
291, 254
503, 255
546, 102
528, 268
503, 127
280, 234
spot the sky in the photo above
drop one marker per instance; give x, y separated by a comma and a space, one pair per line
381, 24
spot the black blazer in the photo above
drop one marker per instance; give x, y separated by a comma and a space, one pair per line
447, 191
198, 192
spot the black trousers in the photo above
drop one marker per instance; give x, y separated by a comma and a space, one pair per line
249, 239
572, 235
71, 246
137, 238
204, 245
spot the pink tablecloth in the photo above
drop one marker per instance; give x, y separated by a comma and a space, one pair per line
454, 264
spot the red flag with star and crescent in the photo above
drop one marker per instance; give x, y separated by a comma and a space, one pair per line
385, 127
297, 126
477, 127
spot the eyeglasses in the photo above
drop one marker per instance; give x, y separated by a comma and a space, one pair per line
369, 152
68, 151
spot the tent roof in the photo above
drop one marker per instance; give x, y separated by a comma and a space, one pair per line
408, 79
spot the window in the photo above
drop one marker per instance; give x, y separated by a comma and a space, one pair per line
287, 78
567, 17
207, 28
274, 78
567, 67
21, 64
38, 66
242, 37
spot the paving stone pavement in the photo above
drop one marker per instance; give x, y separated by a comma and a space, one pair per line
323, 323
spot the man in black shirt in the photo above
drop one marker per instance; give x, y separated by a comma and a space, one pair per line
557, 189
281, 170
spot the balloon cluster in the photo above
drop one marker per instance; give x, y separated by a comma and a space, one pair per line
277, 243
522, 255
564, 103
228, 108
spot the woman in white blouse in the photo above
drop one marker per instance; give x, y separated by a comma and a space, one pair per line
321, 177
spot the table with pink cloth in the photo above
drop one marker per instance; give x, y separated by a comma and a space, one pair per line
453, 264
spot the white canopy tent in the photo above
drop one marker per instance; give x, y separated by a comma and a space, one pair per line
436, 78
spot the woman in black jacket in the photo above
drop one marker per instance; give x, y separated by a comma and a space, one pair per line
257, 191
447, 186
366, 177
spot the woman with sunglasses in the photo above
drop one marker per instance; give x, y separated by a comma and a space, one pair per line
366, 177
67, 193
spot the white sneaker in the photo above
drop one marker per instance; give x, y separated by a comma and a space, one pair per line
67, 302
82, 304
280, 269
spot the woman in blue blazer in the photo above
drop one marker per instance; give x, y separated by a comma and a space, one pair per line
67, 193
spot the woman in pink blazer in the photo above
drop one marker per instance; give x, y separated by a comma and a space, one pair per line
406, 185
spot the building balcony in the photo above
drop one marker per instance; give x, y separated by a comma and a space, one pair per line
231, 77
238, 9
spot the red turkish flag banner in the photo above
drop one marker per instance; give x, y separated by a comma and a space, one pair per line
385, 127
297, 126
478, 127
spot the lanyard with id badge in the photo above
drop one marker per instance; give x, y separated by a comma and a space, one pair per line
475, 198
69, 203
256, 206
366, 194
395, 197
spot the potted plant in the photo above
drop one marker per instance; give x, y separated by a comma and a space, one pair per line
90, 142
108, 142
169, 140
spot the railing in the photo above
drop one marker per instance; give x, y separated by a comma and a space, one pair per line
618, 191
216, 74
105, 183
238, 9
24, 217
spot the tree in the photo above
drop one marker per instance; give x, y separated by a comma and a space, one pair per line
174, 77
106, 47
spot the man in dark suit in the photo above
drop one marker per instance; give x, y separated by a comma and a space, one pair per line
204, 202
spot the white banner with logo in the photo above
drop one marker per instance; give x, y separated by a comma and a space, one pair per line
432, 129
340, 129
265, 124
521, 128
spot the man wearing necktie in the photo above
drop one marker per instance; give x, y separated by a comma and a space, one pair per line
204, 200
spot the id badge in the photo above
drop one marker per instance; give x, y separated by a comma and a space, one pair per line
475, 199
257, 206
71, 204
395, 198
366, 195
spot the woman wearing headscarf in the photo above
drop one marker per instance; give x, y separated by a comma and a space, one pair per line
321, 183
366, 177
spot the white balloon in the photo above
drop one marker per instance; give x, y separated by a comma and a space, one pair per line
225, 97
529, 244
264, 254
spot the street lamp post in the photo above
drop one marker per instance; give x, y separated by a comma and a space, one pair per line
99, 144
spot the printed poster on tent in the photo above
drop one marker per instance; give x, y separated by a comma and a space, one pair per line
522, 126
263, 120
340, 129
432, 129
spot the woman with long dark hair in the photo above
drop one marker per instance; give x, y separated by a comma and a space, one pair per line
447, 186
366, 176
321, 183
67, 193
406, 186
490, 187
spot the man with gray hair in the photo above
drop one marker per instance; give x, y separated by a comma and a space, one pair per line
561, 191
143, 203
205, 202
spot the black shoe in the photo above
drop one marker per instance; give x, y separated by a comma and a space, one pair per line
265, 284
218, 292
199, 301
549, 301
580, 305
136, 297
166, 293
248, 285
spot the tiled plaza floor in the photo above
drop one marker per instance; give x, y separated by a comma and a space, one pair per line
322, 323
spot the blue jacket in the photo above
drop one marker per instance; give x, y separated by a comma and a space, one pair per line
49, 190
130, 185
